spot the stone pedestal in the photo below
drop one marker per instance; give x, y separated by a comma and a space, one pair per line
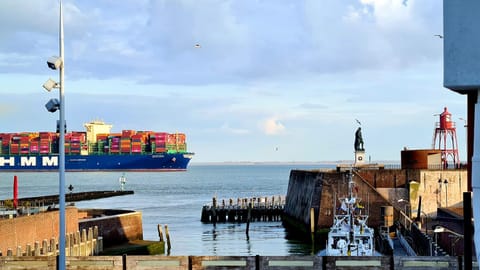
359, 157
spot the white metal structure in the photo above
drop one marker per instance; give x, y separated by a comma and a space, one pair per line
349, 234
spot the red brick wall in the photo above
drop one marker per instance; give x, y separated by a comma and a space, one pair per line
385, 178
115, 227
24, 230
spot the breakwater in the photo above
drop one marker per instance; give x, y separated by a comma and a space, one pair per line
311, 197
69, 197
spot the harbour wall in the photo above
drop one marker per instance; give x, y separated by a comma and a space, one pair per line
303, 193
320, 189
23, 230
115, 226
422, 183
377, 188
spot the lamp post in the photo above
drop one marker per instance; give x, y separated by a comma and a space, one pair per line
54, 104
445, 182
440, 191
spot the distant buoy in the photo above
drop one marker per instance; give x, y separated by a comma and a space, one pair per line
122, 180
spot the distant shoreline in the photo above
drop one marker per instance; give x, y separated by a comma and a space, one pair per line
232, 163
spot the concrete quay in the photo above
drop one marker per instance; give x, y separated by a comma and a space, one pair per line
127, 262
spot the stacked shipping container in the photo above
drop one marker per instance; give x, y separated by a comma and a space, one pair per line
127, 142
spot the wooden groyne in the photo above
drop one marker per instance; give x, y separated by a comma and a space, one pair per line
244, 210
69, 197
82, 243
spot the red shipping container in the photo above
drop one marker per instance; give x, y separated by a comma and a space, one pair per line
46, 135
128, 133
159, 136
138, 137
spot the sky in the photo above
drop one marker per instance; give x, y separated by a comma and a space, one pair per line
254, 80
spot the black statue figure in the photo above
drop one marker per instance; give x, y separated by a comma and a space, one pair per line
359, 140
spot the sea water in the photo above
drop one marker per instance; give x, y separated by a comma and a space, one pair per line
176, 199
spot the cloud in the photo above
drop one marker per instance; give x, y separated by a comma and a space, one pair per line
239, 131
272, 126
240, 42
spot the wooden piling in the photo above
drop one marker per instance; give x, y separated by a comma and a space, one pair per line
249, 214
261, 209
160, 233
167, 235
214, 214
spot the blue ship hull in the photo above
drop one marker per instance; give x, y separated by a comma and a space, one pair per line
86, 163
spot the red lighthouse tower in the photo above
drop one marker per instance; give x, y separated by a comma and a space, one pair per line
445, 139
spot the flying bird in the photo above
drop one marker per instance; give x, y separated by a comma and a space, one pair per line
439, 36
358, 122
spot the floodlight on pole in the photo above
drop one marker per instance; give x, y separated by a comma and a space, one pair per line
61, 169
57, 63
53, 105
50, 84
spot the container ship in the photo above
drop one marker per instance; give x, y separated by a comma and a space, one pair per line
96, 149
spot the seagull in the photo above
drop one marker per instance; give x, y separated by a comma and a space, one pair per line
439, 36
358, 122
197, 45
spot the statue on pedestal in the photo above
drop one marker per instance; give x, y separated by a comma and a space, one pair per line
359, 140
